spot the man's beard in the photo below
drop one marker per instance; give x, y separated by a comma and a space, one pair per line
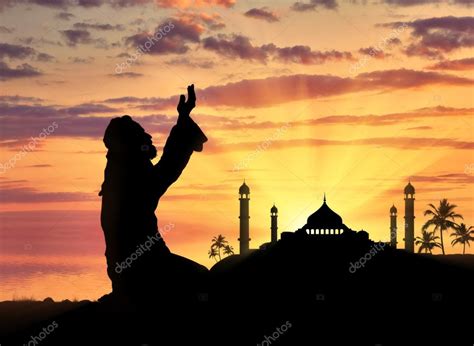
149, 151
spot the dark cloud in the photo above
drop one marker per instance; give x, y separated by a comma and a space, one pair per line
74, 37
18, 98
262, 13
126, 75
90, 3
373, 52
31, 111
138, 21
132, 99
304, 55
189, 3
314, 4
235, 46
20, 122
238, 46
170, 37
173, 35
64, 15
123, 55
88, 108
79, 60
14, 51
427, 2
64, 4
403, 78
454, 65
50, 3
97, 26
39, 41
21, 71
192, 63
434, 37
57, 4
44, 57
395, 41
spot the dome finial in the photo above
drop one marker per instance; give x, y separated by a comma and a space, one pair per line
324, 200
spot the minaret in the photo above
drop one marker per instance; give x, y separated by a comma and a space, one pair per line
393, 227
244, 197
409, 218
274, 224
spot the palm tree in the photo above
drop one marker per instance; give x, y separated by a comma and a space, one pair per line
213, 253
443, 218
427, 241
463, 236
228, 250
218, 243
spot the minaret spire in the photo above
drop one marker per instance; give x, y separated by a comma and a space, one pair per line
409, 217
244, 198
274, 224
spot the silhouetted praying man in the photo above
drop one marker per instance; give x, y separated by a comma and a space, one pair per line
138, 260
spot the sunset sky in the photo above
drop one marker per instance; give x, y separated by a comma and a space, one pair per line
347, 98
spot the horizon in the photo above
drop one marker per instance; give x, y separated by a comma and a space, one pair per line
350, 100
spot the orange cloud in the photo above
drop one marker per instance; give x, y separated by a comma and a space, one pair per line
455, 65
278, 90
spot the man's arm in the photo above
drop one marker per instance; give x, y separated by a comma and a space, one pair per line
185, 137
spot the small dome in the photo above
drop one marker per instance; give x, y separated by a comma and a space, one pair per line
393, 210
274, 209
244, 189
409, 189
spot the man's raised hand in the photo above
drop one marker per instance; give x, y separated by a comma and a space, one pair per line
185, 107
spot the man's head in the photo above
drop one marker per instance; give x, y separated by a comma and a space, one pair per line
126, 137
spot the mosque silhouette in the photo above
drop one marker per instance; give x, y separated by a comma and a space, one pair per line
324, 223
